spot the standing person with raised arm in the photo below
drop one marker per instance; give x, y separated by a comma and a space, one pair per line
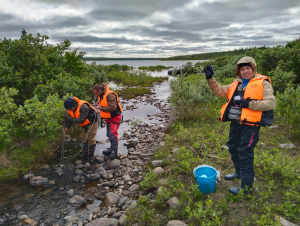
111, 110
250, 104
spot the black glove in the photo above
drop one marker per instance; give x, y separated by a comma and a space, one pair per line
209, 72
67, 119
243, 103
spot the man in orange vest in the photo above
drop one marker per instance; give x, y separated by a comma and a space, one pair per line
111, 110
250, 104
82, 113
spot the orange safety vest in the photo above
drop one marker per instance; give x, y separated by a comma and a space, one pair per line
103, 102
254, 91
76, 114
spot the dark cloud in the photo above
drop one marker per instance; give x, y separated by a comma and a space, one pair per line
162, 28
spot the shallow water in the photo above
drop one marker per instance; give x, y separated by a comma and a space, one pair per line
48, 204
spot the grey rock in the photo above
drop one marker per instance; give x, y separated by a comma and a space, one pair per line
99, 158
162, 143
79, 172
122, 220
225, 148
80, 166
104, 222
122, 201
93, 177
284, 222
38, 181
28, 176
274, 127
71, 219
1, 220
156, 163
159, 190
126, 177
71, 192
107, 174
23, 217
59, 171
44, 167
173, 202
133, 187
77, 200
111, 199
117, 215
176, 223
111, 211
175, 150
112, 164
287, 146
158, 170
76, 178
78, 162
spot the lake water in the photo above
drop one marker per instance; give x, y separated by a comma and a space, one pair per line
138, 63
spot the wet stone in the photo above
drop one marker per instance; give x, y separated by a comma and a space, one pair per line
112, 164
76, 178
78, 162
28, 176
93, 177
79, 172
38, 181
71, 192
77, 199
80, 166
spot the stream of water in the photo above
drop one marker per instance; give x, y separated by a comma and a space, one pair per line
48, 204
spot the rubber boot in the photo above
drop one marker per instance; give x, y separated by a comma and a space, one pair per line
114, 154
237, 173
92, 150
107, 152
247, 183
85, 148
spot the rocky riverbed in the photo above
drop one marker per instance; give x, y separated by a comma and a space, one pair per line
77, 192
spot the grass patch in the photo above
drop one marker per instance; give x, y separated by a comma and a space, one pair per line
275, 189
154, 68
131, 92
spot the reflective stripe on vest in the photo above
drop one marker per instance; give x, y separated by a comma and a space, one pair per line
254, 91
77, 113
104, 103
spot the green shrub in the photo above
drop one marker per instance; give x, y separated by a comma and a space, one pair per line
288, 105
190, 96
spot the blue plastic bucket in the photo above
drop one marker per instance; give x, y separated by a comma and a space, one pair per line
206, 179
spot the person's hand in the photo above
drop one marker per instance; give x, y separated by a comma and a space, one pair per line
65, 130
67, 119
243, 103
209, 71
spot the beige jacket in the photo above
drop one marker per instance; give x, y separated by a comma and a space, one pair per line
267, 103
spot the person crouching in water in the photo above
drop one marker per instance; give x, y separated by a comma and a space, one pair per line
250, 104
111, 110
82, 113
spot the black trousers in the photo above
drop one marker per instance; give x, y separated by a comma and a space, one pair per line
242, 141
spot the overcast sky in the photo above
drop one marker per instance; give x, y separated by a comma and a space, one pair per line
154, 28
